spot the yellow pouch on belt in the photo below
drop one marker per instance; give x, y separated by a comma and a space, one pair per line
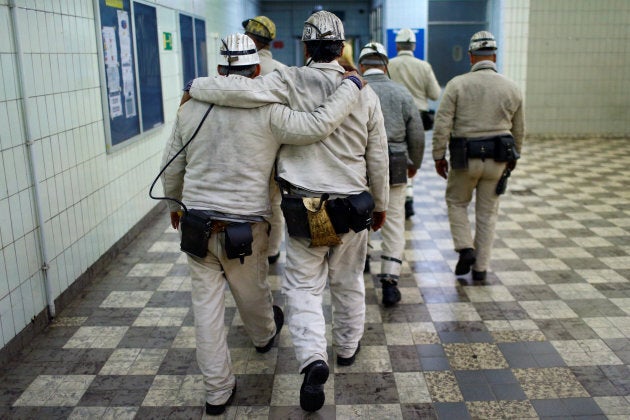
322, 231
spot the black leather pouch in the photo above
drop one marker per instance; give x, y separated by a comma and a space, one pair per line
458, 150
505, 149
361, 208
339, 214
397, 168
195, 229
238, 240
295, 216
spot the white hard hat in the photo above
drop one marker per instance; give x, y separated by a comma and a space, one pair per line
373, 49
238, 50
406, 35
482, 43
323, 26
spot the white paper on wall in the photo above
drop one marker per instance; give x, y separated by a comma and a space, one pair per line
115, 105
110, 50
113, 79
124, 36
130, 106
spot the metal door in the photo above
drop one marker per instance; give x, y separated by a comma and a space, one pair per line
451, 24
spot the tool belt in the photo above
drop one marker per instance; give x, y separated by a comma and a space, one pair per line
499, 148
197, 227
322, 219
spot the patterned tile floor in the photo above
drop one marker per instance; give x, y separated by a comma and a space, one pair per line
546, 336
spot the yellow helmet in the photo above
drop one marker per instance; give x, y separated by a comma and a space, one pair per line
260, 26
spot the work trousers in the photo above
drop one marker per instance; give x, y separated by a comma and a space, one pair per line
393, 232
276, 220
482, 177
305, 275
252, 294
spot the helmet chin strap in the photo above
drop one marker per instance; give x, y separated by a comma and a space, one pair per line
229, 66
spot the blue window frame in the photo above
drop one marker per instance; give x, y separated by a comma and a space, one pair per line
194, 57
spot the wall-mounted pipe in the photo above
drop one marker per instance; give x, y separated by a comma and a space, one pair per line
31, 158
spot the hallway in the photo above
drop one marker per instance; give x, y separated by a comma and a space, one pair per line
547, 336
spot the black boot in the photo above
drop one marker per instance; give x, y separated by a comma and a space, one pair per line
479, 275
278, 318
312, 395
391, 294
466, 260
409, 208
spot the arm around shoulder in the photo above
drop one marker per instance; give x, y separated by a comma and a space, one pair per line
300, 128
241, 92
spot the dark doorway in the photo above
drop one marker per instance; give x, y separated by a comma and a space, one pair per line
451, 24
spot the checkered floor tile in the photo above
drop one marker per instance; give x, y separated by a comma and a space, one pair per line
547, 334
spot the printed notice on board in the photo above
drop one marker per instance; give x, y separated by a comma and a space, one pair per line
130, 106
128, 77
110, 50
113, 79
115, 105
123, 35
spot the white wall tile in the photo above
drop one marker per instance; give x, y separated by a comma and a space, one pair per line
4, 281
9, 171
21, 167
26, 206
16, 216
37, 292
27, 301
6, 319
5, 140
9, 76
17, 308
42, 116
14, 113
11, 262
6, 37
6, 232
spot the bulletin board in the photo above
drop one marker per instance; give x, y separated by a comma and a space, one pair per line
120, 71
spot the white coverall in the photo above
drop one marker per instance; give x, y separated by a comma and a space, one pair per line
418, 77
226, 170
478, 104
404, 133
276, 233
338, 165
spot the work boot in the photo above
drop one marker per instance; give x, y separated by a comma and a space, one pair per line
312, 395
466, 260
391, 294
478, 275
409, 208
278, 318
215, 410
347, 361
273, 258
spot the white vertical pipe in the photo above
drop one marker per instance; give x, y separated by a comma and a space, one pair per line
31, 155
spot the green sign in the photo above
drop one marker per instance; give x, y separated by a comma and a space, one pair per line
168, 41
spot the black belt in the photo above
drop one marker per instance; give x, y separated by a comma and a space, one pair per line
482, 148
